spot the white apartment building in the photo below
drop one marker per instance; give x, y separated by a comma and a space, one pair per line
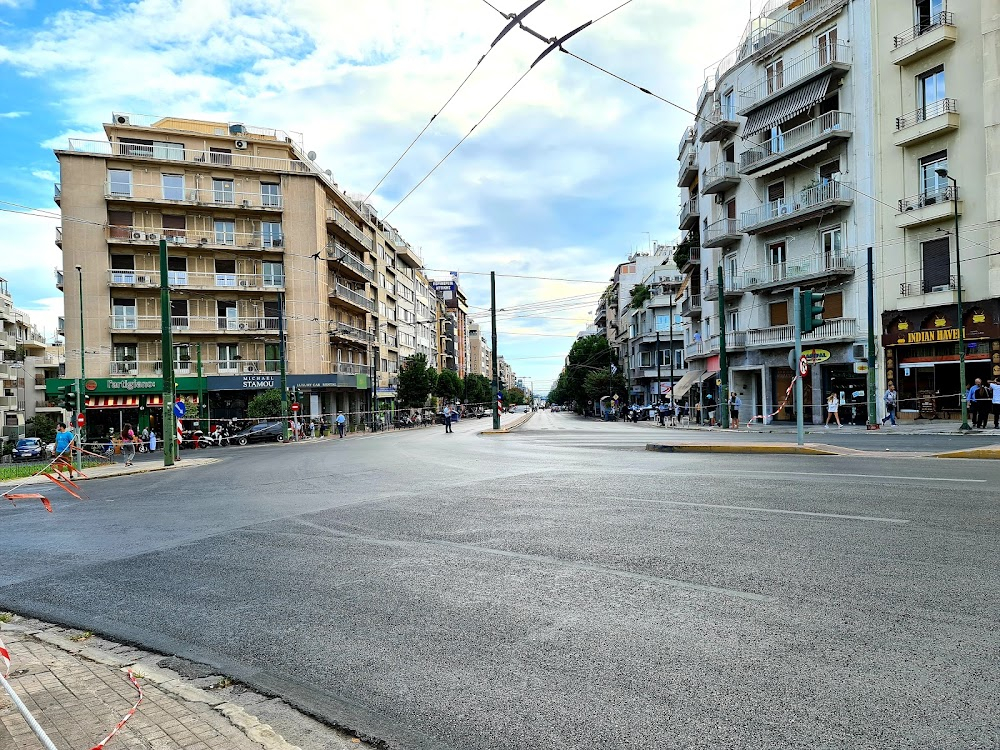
774, 177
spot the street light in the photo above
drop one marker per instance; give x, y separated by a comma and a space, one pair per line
942, 172
83, 368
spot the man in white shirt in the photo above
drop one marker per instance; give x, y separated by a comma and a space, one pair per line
995, 387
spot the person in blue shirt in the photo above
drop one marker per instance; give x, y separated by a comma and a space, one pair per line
64, 439
341, 423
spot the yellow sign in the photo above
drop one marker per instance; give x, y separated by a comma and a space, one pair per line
932, 337
815, 356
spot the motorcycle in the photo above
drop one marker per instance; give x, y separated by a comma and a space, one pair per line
217, 436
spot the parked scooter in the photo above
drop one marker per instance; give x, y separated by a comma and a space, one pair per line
217, 436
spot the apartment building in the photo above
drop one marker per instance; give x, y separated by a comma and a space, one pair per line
260, 241
775, 175
480, 352
937, 136
458, 307
506, 372
426, 325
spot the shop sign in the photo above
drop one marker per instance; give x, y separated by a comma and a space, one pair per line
815, 356
860, 368
259, 382
934, 336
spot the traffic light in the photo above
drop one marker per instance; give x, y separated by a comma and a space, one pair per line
67, 395
812, 310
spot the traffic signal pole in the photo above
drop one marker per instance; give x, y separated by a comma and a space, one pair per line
496, 368
800, 430
284, 370
167, 358
723, 357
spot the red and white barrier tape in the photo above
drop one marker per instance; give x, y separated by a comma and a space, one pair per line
762, 417
4, 660
131, 712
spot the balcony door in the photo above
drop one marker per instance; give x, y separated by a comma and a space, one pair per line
937, 264
229, 319
182, 358
123, 314
124, 362
933, 187
778, 260
775, 72
122, 269
776, 198
928, 14
930, 92
177, 273
229, 357
179, 314
826, 46
833, 251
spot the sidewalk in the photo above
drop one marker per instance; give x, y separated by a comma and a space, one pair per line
77, 690
115, 470
921, 427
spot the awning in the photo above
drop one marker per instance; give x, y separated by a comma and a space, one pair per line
710, 374
783, 163
794, 103
127, 402
685, 383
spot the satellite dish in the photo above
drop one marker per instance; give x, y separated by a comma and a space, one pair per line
329, 173
312, 156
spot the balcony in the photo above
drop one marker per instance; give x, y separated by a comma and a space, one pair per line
142, 152
722, 233
937, 32
7, 342
687, 169
40, 381
346, 262
733, 290
937, 118
696, 349
735, 341
797, 209
61, 326
59, 279
771, 32
813, 64
192, 324
691, 306
688, 216
8, 403
917, 295
351, 298
686, 141
154, 368
799, 271
346, 332
405, 251
780, 337
939, 204
719, 178
6, 372
338, 219
350, 368
720, 123
188, 196
693, 259
58, 236
195, 238
237, 282
57, 193
816, 133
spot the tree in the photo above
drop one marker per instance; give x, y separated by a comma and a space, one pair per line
449, 385
416, 381
515, 396
478, 389
43, 427
587, 355
639, 295
601, 384
266, 405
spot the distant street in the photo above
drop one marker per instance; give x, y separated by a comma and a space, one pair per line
557, 587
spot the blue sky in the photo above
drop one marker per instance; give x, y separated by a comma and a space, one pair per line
562, 180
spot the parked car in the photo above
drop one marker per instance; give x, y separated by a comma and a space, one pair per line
29, 449
259, 433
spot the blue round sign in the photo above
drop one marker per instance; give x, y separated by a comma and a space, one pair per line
179, 409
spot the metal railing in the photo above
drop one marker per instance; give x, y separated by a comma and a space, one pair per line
797, 203
196, 237
56, 192
940, 107
914, 289
247, 281
733, 286
336, 216
689, 208
696, 348
339, 253
943, 18
349, 295
837, 328
346, 330
691, 303
686, 139
195, 324
721, 114
204, 196
59, 235
801, 67
60, 278
798, 268
724, 170
208, 366
234, 129
769, 32
798, 137
734, 340
722, 228
929, 198
350, 368
234, 160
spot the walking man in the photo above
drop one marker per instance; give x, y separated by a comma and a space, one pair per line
995, 387
64, 439
341, 423
735, 403
447, 419
890, 405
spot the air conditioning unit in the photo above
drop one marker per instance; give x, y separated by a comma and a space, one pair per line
246, 204
250, 367
177, 240
192, 195
860, 352
122, 120
244, 282
137, 235
720, 199
940, 288
243, 326
152, 236
241, 145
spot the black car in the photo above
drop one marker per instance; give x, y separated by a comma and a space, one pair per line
259, 433
29, 449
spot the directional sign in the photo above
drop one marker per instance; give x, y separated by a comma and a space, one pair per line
179, 409
295, 407
803, 366
80, 420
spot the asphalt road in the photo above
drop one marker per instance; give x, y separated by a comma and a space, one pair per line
553, 588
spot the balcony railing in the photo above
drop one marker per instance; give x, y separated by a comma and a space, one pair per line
60, 279
799, 70
770, 32
234, 160
795, 139
686, 139
349, 295
205, 196
929, 198
720, 120
831, 330
943, 18
934, 109
734, 340
57, 192
691, 304
183, 367
59, 236
197, 279
338, 253
350, 368
195, 237
723, 173
696, 349
911, 289
192, 324
799, 268
337, 217
345, 330
722, 232
688, 209
800, 204
734, 288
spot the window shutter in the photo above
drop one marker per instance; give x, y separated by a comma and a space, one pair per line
937, 263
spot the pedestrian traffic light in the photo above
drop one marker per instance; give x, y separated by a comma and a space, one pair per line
812, 310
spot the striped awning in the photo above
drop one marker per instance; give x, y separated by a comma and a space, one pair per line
128, 402
794, 103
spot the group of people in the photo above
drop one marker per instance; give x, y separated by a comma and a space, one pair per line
983, 399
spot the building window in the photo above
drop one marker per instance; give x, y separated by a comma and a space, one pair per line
645, 359
122, 269
728, 106
124, 362
225, 273
173, 187
274, 274
929, 14
826, 46
271, 233
167, 150
734, 321
182, 357
930, 91
779, 313
229, 357
270, 194
775, 72
776, 254
120, 182
933, 187
179, 313
223, 191
272, 357
123, 314
832, 243
936, 256
177, 271
173, 228
227, 314
225, 232
833, 305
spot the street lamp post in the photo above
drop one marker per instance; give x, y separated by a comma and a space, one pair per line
961, 322
81, 401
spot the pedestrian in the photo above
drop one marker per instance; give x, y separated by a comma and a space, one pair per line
129, 440
64, 441
832, 409
152, 440
735, 403
980, 403
447, 419
890, 399
995, 389
341, 423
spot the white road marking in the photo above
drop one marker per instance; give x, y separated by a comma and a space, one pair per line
767, 510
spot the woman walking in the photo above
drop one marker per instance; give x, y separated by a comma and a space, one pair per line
128, 444
832, 409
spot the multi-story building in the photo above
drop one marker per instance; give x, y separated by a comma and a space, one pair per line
774, 179
457, 304
506, 372
480, 353
261, 242
937, 131
426, 325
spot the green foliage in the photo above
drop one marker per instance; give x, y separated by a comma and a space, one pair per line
266, 405
639, 295
449, 385
515, 396
587, 355
42, 426
416, 381
602, 383
478, 390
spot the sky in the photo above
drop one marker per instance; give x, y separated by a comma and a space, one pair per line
569, 174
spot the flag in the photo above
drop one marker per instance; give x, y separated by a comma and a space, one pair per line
614, 368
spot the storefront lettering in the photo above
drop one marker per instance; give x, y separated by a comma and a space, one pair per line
931, 337
258, 381
132, 385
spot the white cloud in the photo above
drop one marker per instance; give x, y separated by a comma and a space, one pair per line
45, 174
28, 255
12, 115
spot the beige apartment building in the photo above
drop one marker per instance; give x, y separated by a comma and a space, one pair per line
261, 241
480, 353
937, 118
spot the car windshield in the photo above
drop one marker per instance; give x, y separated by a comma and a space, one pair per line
27, 443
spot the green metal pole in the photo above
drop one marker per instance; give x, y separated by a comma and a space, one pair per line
496, 367
723, 359
284, 369
201, 392
81, 401
873, 423
800, 430
961, 322
167, 358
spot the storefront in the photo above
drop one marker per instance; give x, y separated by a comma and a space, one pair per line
922, 356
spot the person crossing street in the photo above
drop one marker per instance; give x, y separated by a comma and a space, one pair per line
447, 418
995, 388
890, 399
341, 423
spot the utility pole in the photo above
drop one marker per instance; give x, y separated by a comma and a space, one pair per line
496, 367
167, 357
723, 359
284, 369
201, 392
659, 388
800, 431
81, 400
873, 423
671, 400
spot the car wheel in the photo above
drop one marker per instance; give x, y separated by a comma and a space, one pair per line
280, 438
242, 441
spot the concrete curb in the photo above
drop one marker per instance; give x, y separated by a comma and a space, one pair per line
799, 450
989, 452
511, 427
183, 464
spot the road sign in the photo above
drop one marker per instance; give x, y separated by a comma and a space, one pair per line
718, 381
615, 397
803, 366
179, 409
80, 420
295, 407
